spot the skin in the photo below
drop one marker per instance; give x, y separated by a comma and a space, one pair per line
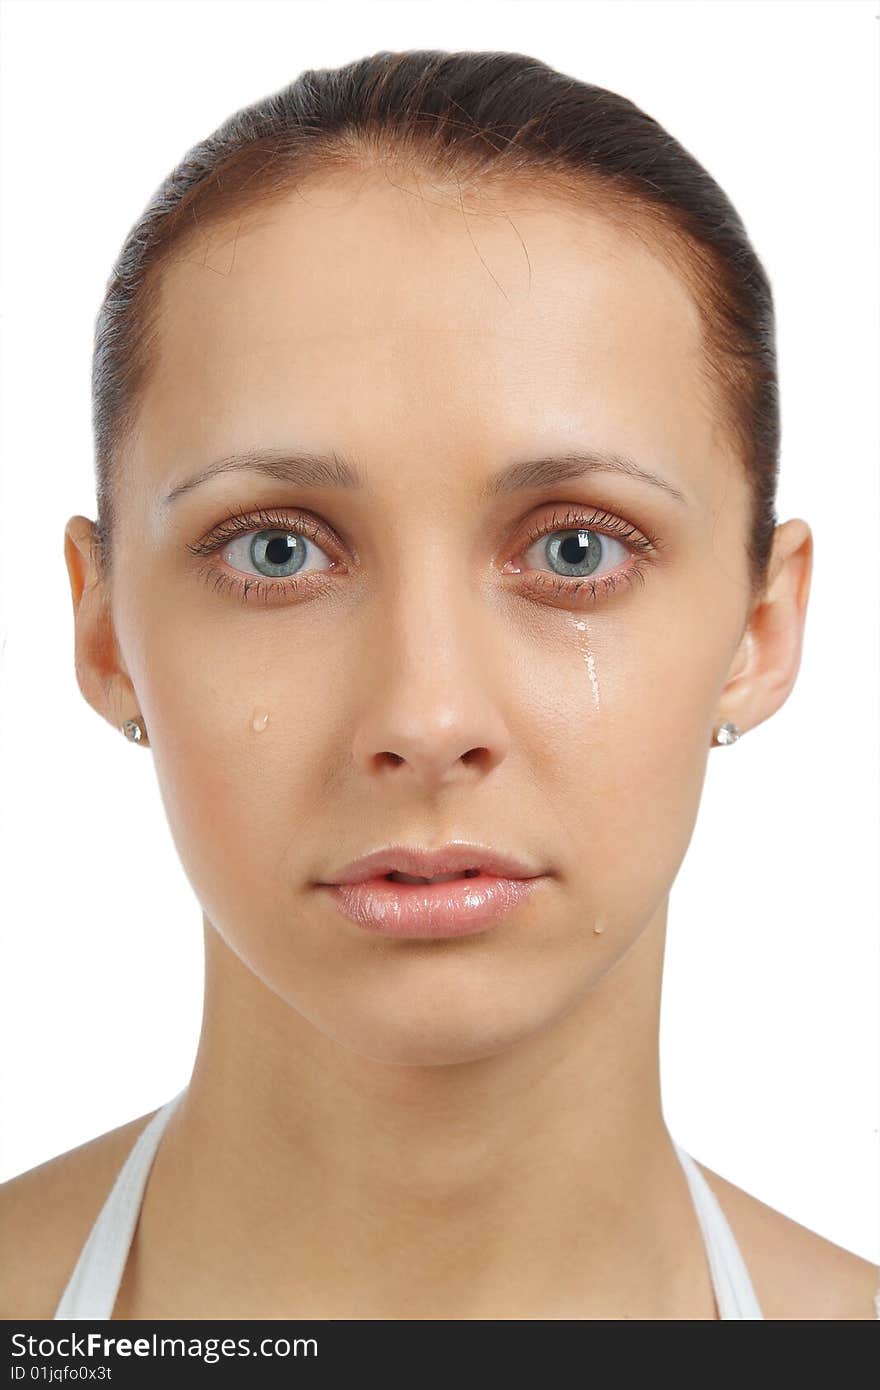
464, 1128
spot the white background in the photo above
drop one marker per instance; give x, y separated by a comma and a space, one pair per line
769, 1038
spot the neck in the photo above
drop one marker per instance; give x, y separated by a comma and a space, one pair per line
536, 1181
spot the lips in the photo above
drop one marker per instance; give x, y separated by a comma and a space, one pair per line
459, 906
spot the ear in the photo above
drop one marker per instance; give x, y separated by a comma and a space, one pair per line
100, 672
768, 657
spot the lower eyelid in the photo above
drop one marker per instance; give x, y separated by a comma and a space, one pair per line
633, 566
573, 584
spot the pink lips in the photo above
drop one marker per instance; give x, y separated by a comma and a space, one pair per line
457, 907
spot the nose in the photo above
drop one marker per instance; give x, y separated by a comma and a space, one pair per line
433, 709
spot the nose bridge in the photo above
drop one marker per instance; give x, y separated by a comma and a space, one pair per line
429, 613
434, 698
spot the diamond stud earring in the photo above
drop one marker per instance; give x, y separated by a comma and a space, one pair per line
134, 731
726, 733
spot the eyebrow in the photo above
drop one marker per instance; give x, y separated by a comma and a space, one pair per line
303, 469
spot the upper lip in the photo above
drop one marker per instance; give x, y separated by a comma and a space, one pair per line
427, 863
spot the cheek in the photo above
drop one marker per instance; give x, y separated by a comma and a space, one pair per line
238, 787
624, 757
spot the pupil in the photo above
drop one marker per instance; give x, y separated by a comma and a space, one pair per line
278, 550
572, 550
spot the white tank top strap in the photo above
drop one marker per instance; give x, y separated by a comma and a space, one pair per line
734, 1292
94, 1284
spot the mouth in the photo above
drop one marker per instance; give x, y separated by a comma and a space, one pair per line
395, 876
398, 904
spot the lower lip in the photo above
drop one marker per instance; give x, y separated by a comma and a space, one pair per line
458, 907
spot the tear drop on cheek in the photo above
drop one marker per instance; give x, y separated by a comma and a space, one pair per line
590, 661
259, 721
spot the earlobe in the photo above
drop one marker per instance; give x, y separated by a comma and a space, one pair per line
768, 657
101, 677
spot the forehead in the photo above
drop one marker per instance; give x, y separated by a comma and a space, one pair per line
388, 321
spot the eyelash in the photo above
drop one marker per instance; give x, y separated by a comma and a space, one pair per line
643, 546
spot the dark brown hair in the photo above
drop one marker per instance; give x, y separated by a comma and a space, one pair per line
470, 120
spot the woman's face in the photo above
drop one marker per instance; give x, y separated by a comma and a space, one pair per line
425, 670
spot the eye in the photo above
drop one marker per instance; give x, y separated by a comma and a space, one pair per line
580, 553
269, 550
274, 553
584, 552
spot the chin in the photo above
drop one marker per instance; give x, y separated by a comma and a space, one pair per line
440, 1031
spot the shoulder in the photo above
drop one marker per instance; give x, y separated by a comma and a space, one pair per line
796, 1273
46, 1214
